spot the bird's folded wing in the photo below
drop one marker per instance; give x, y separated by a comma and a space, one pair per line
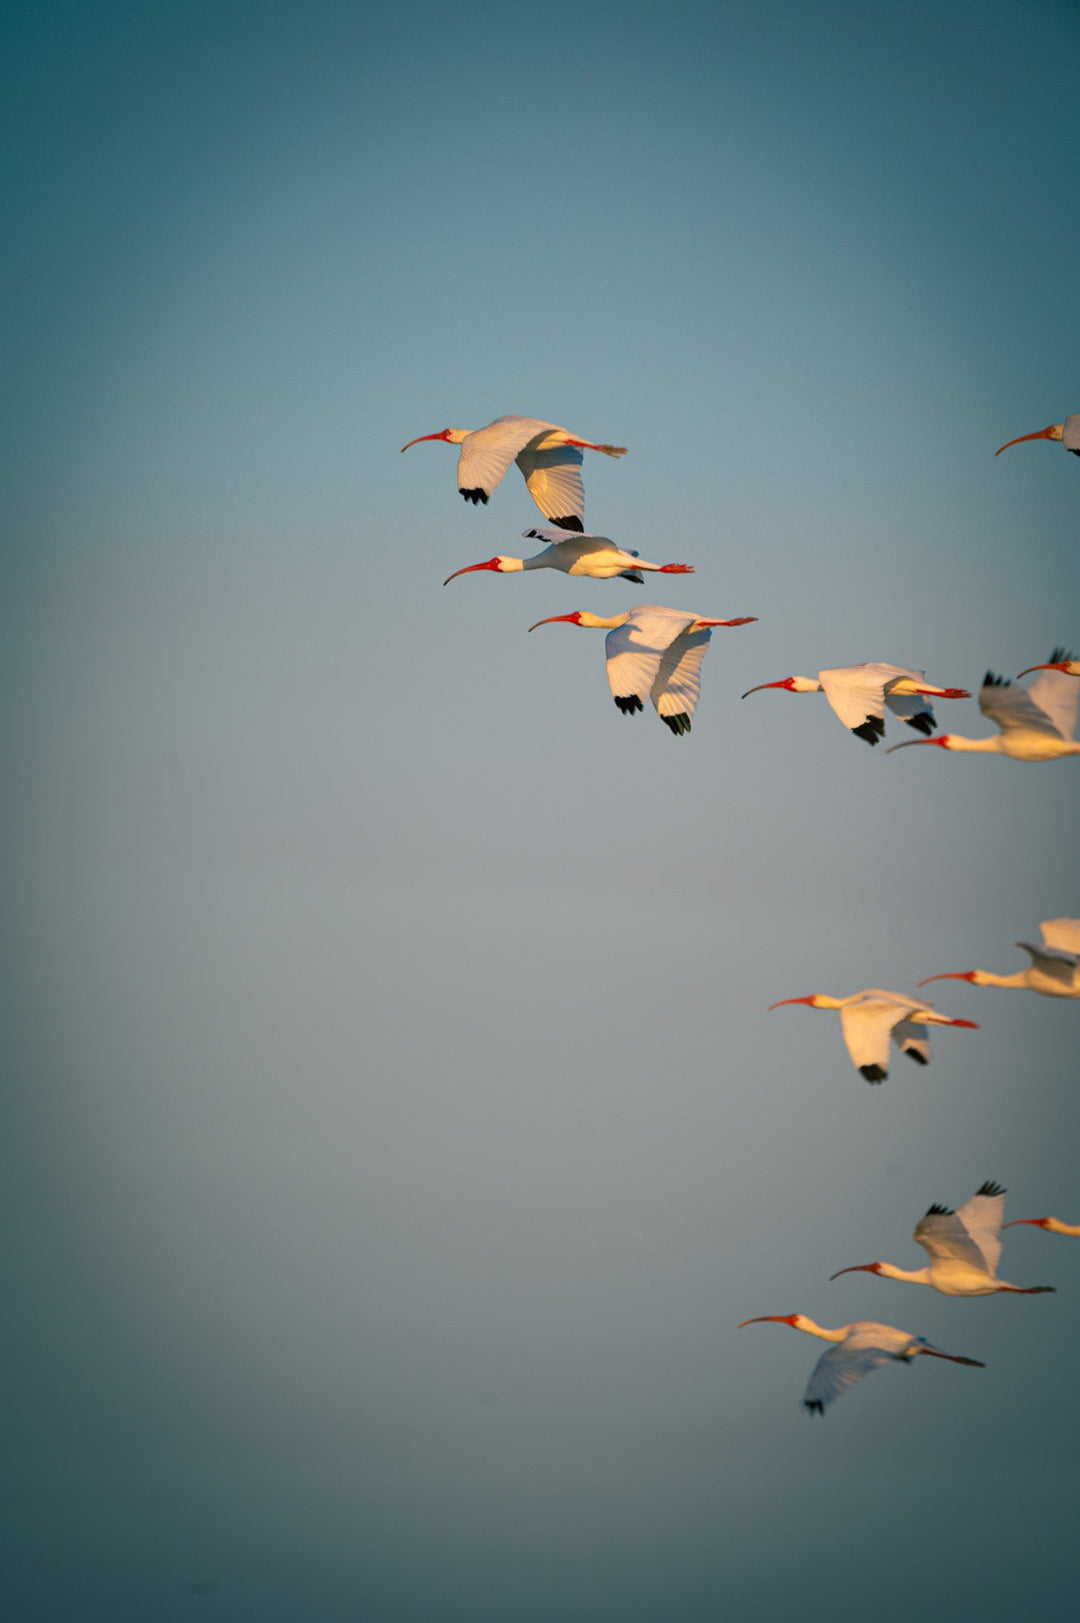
840, 1368
1062, 933
1053, 961
554, 480
1012, 708
677, 687
1057, 696
857, 692
584, 543
943, 1236
983, 1216
866, 1026
912, 1040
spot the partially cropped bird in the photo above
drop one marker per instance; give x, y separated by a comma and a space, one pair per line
1036, 723
1059, 661
1068, 432
964, 1248
1054, 970
860, 1348
871, 1017
656, 653
858, 694
549, 458
576, 554
1052, 1225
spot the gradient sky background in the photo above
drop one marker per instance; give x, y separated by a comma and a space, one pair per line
395, 1131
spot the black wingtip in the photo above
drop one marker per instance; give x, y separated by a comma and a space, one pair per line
813, 1406
871, 729
992, 681
940, 1211
678, 724
475, 496
570, 523
913, 1053
990, 1188
628, 703
634, 575
873, 1073
923, 723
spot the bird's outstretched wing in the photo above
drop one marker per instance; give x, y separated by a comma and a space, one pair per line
486, 454
867, 1026
945, 1238
839, 1369
1053, 961
1057, 696
983, 1216
857, 695
1012, 708
913, 1041
554, 480
1062, 933
677, 687
635, 651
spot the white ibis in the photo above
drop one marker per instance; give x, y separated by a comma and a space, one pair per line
1059, 661
1035, 723
860, 1348
871, 1017
858, 694
575, 554
1068, 432
1054, 970
656, 652
549, 458
964, 1248
1052, 1225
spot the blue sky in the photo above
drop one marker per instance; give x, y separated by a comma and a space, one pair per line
396, 1131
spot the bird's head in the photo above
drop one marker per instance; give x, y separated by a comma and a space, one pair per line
793, 684
452, 436
1054, 432
1068, 667
504, 566
582, 617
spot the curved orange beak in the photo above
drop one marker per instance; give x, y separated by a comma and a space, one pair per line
1051, 433
571, 619
422, 437
769, 1318
951, 975
783, 1000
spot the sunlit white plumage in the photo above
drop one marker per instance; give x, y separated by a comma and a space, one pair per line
1067, 432
964, 1248
858, 694
860, 1347
549, 458
574, 554
872, 1017
653, 652
1036, 723
1054, 970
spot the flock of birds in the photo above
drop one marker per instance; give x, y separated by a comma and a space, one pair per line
656, 653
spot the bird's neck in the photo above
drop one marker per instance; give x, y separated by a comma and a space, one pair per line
1056, 1226
911, 1276
819, 1330
972, 746
985, 977
604, 622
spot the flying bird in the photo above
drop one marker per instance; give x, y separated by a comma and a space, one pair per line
858, 694
964, 1248
1035, 723
1068, 432
1054, 970
1052, 1225
860, 1348
576, 554
655, 652
870, 1018
549, 458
